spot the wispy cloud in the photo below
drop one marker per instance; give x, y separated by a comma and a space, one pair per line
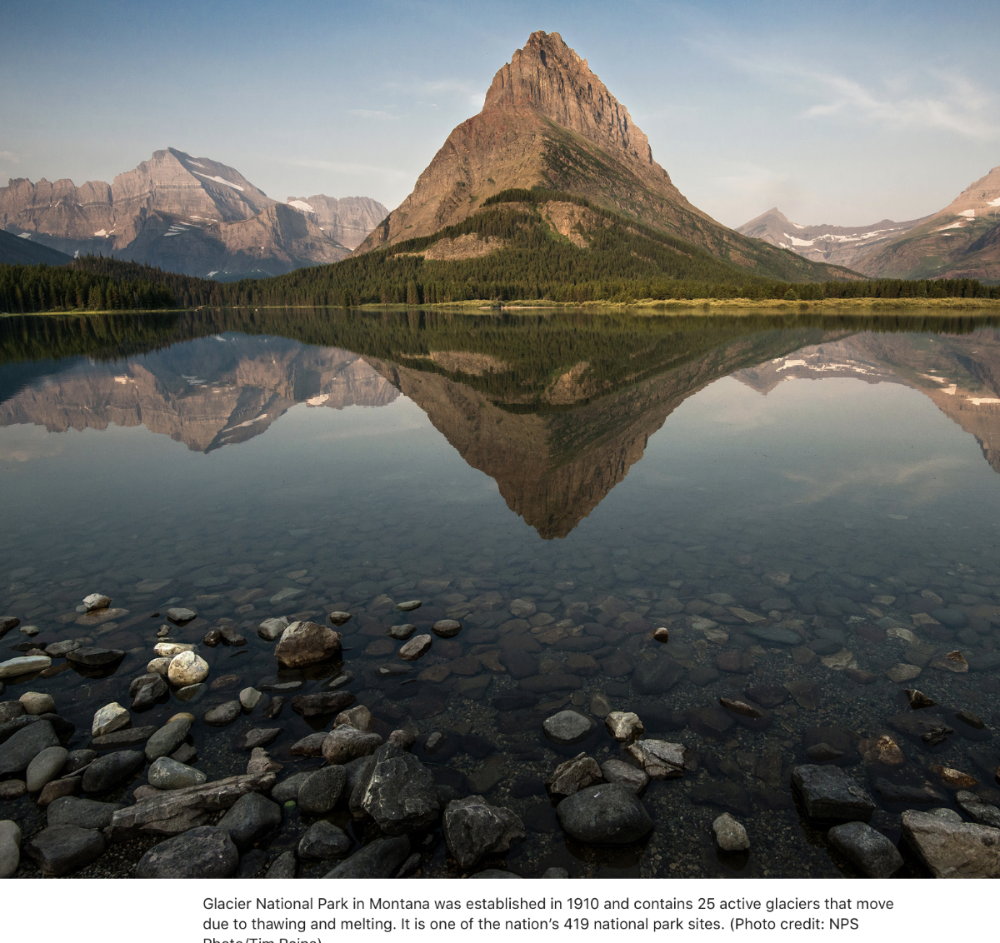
921, 98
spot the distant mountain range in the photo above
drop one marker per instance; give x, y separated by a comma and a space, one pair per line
960, 241
15, 250
190, 215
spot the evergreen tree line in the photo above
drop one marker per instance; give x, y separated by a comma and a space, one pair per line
28, 288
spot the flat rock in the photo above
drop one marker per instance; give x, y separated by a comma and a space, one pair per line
23, 665
409, 605
830, 795
222, 714
446, 628
307, 643
180, 615
110, 718
473, 828
323, 840
982, 812
618, 771
167, 739
321, 791
607, 814
346, 743
90, 657
325, 702
127, 737
416, 647
251, 818
953, 849
260, 737
166, 773
202, 852
25, 744
271, 629
402, 632
379, 859
775, 634
573, 775
656, 675
63, 849
660, 759
567, 727
80, 812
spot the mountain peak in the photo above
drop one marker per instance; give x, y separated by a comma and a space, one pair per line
549, 77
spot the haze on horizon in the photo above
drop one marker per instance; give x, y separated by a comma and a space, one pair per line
843, 114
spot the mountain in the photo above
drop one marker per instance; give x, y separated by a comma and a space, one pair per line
836, 245
548, 121
960, 241
190, 215
15, 250
347, 220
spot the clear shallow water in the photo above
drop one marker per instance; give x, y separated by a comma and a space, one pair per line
837, 480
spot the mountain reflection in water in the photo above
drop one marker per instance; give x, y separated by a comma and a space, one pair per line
555, 409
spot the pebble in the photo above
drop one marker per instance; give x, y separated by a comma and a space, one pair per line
322, 703
660, 759
903, 672
96, 601
624, 726
307, 643
829, 794
180, 615
918, 699
110, 718
112, 770
45, 767
92, 657
35, 703
250, 698
24, 745
662, 634
618, 771
568, 727
187, 668
166, 773
570, 777
416, 647
953, 661
339, 618
23, 665
83, 813
271, 629
409, 605
222, 714
320, 791
446, 628
730, 835
402, 632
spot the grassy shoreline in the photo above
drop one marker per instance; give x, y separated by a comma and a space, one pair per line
644, 306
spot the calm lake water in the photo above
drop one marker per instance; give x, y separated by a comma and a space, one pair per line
810, 506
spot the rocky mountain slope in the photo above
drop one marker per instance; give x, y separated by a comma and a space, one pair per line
549, 121
960, 241
184, 214
836, 245
17, 251
347, 220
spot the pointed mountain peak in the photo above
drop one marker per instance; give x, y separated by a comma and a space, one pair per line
548, 77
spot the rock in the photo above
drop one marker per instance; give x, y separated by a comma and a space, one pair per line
149, 690
573, 775
902, 672
953, 849
23, 665
62, 849
830, 795
823, 753
261, 762
380, 859
417, 646
321, 791
730, 835
307, 643
976, 808
259, 737
126, 737
869, 851
284, 866
12, 789
79, 760
662, 634
618, 771
181, 615
10, 710
522, 608
339, 618
96, 601
35, 703
953, 618
358, 717
202, 852
608, 814
409, 605
288, 789
918, 699
402, 632
112, 770
170, 649
347, 743
555, 873
953, 661
271, 629
159, 665
110, 718
970, 720
659, 758
446, 628
45, 767
7, 623
882, 750
10, 848
57, 789
212, 638
166, 773
546, 684
398, 791
187, 668
222, 714
167, 739
741, 708
912, 795
775, 634
17, 752
735, 662
232, 637
311, 745
178, 810
251, 818
928, 727
624, 726
323, 840
495, 874
250, 698
657, 675
82, 813
325, 702
568, 727
953, 778
474, 828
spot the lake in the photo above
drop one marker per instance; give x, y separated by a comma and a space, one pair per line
808, 505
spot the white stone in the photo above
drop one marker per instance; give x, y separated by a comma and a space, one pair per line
169, 649
271, 629
45, 767
250, 698
23, 665
730, 834
624, 726
110, 718
187, 668
36, 703
96, 601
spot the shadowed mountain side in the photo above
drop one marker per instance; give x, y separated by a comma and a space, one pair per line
231, 390
960, 375
553, 467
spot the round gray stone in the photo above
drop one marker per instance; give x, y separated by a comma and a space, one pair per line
608, 814
568, 727
203, 852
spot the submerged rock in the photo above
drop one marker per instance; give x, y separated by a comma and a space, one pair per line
830, 795
868, 850
659, 758
573, 775
307, 643
608, 814
567, 727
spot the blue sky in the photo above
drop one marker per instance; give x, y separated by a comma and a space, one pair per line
838, 112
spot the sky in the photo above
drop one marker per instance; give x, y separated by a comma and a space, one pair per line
838, 112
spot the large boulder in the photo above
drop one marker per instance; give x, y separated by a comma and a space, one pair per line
953, 849
830, 795
62, 849
17, 752
306, 643
398, 792
868, 850
474, 828
202, 852
250, 819
380, 859
321, 791
323, 840
346, 743
608, 814
112, 770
